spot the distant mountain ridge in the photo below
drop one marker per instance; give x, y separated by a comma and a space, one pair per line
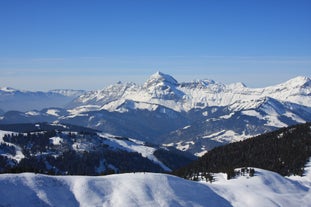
21, 100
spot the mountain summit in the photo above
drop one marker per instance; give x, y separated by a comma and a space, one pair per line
160, 78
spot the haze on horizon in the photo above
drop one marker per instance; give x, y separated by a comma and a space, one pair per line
89, 45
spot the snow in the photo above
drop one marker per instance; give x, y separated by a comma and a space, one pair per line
85, 108
131, 190
200, 154
184, 146
33, 113
264, 189
294, 117
124, 106
53, 112
155, 190
306, 179
159, 78
205, 113
7, 89
56, 140
274, 121
252, 113
226, 136
226, 116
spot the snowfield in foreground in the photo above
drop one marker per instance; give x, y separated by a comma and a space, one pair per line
122, 190
148, 189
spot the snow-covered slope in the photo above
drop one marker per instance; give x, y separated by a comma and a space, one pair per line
264, 189
20, 100
147, 189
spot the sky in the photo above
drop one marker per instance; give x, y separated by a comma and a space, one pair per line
48, 44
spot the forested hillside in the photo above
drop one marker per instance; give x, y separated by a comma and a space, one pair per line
73, 150
284, 151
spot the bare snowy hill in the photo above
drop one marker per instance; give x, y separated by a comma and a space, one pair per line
155, 190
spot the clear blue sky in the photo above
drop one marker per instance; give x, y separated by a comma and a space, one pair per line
89, 44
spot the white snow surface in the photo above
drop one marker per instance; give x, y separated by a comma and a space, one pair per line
53, 112
130, 190
56, 140
155, 190
226, 136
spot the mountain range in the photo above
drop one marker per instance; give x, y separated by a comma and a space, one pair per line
191, 116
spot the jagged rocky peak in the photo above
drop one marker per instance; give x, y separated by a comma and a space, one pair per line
160, 78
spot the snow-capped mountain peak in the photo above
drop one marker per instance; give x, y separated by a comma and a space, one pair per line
160, 78
299, 81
